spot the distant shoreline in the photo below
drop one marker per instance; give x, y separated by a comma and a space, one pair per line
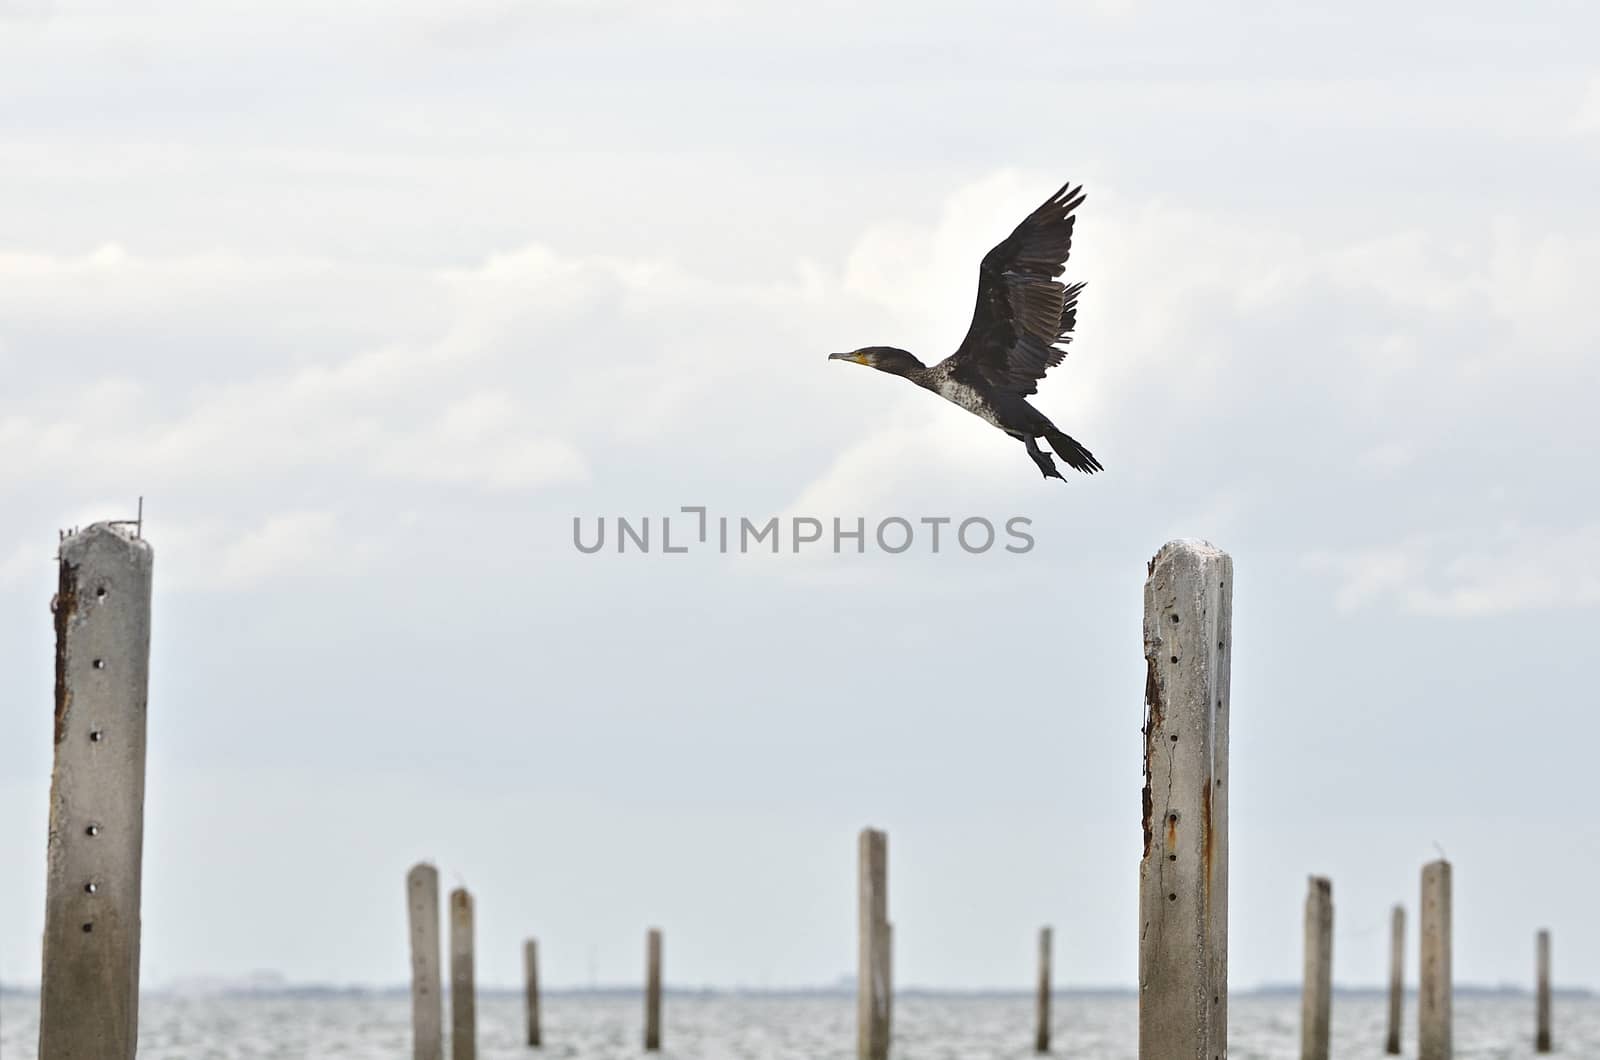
312, 992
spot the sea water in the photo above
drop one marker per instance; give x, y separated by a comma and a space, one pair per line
753, 1028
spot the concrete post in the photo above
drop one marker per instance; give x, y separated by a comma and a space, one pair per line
1434, 986
1183, 875
530, 976
1541, 1040
1397, 978
463, 979
872, 967
427, 993
888, 978
652, 992
1041, 1023
89, 988
1316, 988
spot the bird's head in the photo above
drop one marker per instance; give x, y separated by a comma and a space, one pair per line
883, 358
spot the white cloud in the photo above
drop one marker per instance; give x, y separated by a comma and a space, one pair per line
924, 276
483, 440
1510, 568
24, 558
294, 543
1586, 119
1394, 345
215, 552
26, 10
513, 373
252, 550
1390, 457
918, 445
406, 406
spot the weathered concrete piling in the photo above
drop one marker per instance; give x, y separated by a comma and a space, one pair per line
1183, 876
1541, 1036
888, 977
89, 989
652, 991
1041, 1018
1397, 978
1434, 986
463, 979
1316, 988
530, 977
427, 994
872, 968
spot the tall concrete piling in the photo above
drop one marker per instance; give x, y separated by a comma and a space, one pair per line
89, 988
1041, 1015
427, 993
1434, 986
1183, 875
1541, 1036
1316, 988
888, 977
652, 991
872, 967
463, 979
530, 978
1397, 978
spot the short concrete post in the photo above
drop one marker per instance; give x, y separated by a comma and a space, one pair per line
530, 975
463, 979
872, 966
652, 992
1316, 988
1183, 876
1041, 1021
1434, 986
427, 992
1397, 978
89, 989
1541, 1039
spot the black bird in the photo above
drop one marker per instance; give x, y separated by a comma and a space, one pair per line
1022, 319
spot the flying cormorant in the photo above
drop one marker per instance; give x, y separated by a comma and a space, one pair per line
1022, 318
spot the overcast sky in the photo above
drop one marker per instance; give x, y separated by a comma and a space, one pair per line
369, 305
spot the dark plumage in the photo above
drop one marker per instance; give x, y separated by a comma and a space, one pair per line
1022, 319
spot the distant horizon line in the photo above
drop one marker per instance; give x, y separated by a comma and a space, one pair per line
235, 990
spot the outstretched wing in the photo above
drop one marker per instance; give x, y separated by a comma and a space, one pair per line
1023, 313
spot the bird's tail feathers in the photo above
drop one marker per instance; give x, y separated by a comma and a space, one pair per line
1067, 448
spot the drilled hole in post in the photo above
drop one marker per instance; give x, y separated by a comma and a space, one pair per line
1172, 817
93, 829
1174, 739
95, 736
1175, 620
1172, 857
1172, 897
99, 664
88, 927
91, 888
1174, 658
100, 593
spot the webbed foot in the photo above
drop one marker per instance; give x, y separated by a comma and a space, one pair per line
1046, 465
